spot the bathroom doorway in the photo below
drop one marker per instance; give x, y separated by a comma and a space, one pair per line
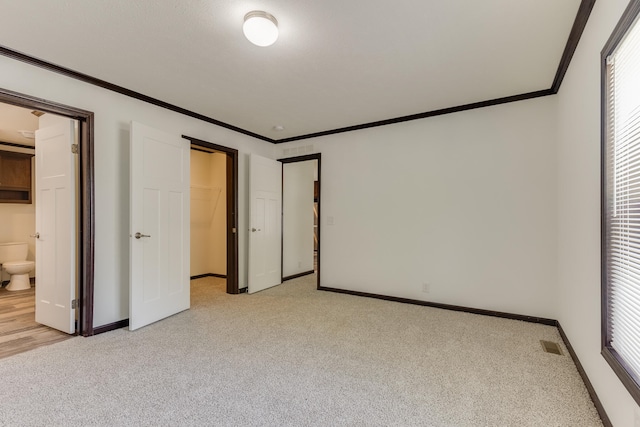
81, 308
19, 210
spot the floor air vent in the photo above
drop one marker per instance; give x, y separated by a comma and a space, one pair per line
551, 347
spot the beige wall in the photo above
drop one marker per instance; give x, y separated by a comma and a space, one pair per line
18, 221
208, 213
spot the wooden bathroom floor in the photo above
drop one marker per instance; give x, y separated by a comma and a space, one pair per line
19, 331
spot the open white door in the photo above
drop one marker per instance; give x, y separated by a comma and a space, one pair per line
55, 227
265, 230
159, 264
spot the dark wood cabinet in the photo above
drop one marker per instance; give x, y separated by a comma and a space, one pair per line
15, 177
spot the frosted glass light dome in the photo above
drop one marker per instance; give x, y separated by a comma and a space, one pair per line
260, 28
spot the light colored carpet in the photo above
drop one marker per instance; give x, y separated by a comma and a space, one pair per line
295, 356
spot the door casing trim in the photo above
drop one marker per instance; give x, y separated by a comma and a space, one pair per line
232, 208
318, 157
86, 250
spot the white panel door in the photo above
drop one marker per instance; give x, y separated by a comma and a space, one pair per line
265, 230
159, 264
55, 227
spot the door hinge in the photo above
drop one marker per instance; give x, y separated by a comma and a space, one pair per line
74, 303
233, 230
74, 148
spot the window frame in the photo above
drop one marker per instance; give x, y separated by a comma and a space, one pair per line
617, 363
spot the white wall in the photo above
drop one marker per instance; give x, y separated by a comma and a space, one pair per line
113, 113
208, 213
579, 210
297, 217
464, 202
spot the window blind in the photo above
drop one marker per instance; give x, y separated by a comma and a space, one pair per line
622, 198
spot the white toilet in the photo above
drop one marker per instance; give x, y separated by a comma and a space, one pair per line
13, 257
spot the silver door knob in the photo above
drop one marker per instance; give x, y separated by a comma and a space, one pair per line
139, 235
37, 235
254, 230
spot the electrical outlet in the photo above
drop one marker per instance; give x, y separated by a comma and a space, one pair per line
329, 220
426, 287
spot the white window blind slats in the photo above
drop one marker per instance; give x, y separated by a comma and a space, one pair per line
628, 133
619, 270
625, 260
629, 167
626, 330
629, 156
622, 280
624, 241
625, 335
629, 295
622, 196
628, 129
628, 199
624, 226
623, 250
625, 343
627, 326
629, 170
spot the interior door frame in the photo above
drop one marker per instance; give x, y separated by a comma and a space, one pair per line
318, 157
232, 208
85, 252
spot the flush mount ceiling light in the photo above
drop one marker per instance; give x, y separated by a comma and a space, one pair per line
260, 28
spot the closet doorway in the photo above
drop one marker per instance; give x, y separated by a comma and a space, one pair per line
214, 201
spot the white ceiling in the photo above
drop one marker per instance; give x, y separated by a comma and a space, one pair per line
335, 64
